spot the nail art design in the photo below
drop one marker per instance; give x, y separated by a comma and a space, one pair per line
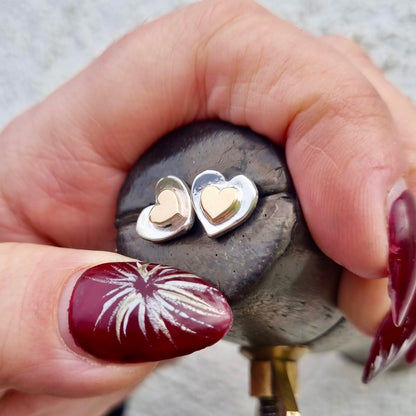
411, 353
171, 216
396, 337
220, 205
137, 312
402, 255
391, 344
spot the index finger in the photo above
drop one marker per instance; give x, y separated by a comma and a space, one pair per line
228, 60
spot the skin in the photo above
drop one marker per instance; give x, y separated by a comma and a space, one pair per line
348, 134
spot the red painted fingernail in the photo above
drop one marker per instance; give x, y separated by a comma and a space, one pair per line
396, 337
391, 343
411, 353
402, 254
137, 312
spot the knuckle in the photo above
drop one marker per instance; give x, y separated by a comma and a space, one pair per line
234, 6
227, 23
350, 110
359, 105
213, 18
348, 47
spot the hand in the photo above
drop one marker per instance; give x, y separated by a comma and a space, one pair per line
348, 139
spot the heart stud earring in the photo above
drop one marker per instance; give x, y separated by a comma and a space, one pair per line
222, 205
171, 216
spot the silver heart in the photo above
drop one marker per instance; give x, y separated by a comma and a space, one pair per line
236, 210
172, 227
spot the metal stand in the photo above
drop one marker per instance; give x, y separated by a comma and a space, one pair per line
273, 374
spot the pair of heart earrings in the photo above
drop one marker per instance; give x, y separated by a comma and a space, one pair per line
220, 206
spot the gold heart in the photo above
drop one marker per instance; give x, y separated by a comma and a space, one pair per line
219, 205
166, 210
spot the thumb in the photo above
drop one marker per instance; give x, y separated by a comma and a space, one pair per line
70, 318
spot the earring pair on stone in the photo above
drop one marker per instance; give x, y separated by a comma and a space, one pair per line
220, 206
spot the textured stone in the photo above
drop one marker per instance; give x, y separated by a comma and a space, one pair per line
282, 289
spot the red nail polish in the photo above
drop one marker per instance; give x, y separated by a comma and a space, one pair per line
396, 336
411, 354
402, 255
137, 312
391, 343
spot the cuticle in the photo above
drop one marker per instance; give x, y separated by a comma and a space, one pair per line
396, 190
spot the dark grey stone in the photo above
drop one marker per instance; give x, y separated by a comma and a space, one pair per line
281, 287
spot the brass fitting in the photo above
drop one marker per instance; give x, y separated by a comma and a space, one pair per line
274, 378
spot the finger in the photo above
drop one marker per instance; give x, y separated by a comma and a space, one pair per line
16, 403
67, 327
401, 107
34, 357
237, 62
365, 303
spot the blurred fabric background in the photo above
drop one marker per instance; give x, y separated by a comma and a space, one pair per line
45, 42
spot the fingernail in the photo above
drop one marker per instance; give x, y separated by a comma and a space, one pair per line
396, 336
391, 343
411, 353
138, 312
402, 251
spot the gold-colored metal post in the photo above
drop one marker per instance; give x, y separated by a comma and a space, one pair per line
274, 378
